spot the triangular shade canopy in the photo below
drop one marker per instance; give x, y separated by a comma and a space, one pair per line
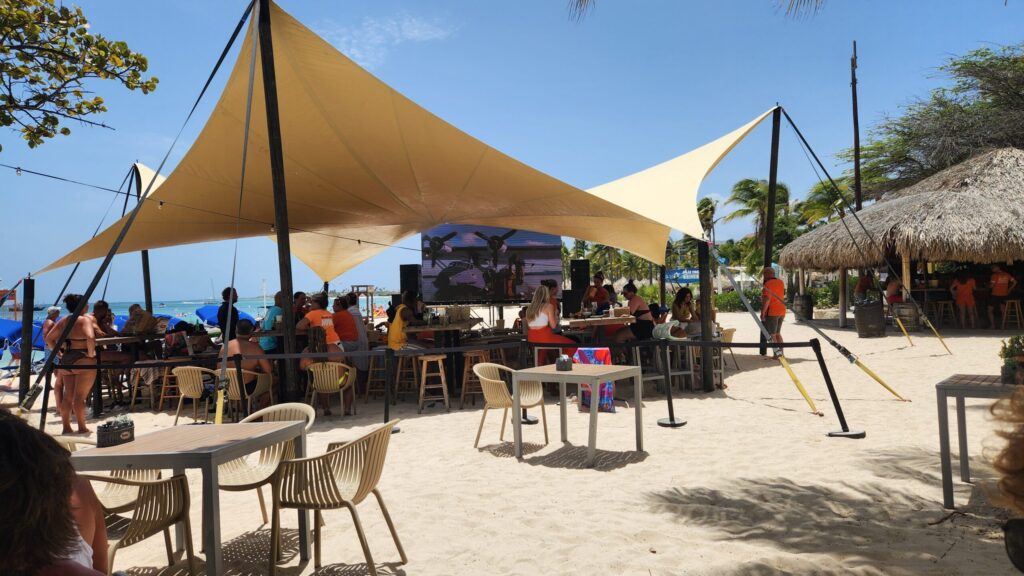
362, 162
366, 167
674, 183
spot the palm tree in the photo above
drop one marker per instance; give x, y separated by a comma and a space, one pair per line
752, 198
706, 212
822, 201
633, 266
566, 259
579, 249
606, 258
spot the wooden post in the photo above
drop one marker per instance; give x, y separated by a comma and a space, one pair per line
905, 280
857, 198
802, 280
704, 266
842, 298
28, 301
289, 385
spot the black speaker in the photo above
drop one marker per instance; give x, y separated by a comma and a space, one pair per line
579, 275
411, 278
571, 300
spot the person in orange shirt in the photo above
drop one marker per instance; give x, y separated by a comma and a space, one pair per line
773, 309
963, 294
1001, 284
318, 316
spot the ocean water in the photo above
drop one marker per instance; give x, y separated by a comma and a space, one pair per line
182, 309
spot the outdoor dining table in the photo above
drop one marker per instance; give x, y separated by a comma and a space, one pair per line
204, 447
592, 374
961, 386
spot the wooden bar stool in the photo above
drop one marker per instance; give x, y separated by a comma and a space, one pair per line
1012, 313
406, 376
498, 356
426, 374
168, 383
471, 386
945, 310
376, 377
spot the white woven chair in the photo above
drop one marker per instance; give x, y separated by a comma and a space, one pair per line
341, 478
331, 378
244, 474
237, 394
190, 385
115, 497
496, 395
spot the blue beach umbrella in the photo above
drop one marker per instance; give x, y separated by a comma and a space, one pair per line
10, 335
208, 314
171, 321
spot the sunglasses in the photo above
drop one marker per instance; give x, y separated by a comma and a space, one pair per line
1013, 537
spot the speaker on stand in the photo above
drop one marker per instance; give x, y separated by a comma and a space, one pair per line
411, 278
579, 275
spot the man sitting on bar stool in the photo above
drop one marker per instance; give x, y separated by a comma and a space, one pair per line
243, 345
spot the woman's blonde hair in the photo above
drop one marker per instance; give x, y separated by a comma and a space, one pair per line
1009, 462
541, 297
317, 341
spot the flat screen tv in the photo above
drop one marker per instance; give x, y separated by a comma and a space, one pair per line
466, 263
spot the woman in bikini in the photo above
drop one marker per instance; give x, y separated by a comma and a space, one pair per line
78, 350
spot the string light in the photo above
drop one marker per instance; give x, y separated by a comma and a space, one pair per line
17, 172
160, 205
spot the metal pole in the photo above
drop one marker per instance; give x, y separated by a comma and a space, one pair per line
769, 217
146, 284
289, 380
846, 432
327, 288
706, 365
46, 401
773, 176
857, 198
842, 297
671, 421
28, 301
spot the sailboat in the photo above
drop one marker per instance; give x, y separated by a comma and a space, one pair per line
213, 295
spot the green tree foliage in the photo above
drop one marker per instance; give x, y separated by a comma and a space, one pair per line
751, 197
47, 56
983, 109
823, 204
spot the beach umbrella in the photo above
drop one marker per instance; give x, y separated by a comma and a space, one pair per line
171, 320
208, 314
10, 335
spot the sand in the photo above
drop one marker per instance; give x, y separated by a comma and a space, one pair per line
751, 485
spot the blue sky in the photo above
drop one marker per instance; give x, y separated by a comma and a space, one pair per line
631, 85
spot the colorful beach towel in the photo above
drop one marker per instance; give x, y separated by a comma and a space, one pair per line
606, 395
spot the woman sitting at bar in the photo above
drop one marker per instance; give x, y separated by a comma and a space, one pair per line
319, 317
683, 309
643, 327
318, 345
541, 320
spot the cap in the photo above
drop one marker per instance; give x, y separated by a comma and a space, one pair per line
53, 309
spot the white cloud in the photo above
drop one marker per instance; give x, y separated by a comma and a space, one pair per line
370, 42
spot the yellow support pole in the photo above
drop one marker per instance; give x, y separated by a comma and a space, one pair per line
219, 418
900, 324
799, 386
879, 380
937, 335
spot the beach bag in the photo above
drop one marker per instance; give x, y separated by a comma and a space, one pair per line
606, 394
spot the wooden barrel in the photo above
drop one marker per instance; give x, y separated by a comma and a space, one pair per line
870, 320
803, 307
907, 313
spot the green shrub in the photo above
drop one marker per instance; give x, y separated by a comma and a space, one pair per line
650, 292
730, 301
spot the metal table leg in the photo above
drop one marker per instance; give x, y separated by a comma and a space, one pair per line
300, 452
961, 434
595, 400
638, 382
563, 411
946, 464
211, 519
179, 528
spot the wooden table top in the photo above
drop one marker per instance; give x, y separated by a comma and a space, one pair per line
464, 325
983, 385
601, 321
185, 446
128, 339
610, 372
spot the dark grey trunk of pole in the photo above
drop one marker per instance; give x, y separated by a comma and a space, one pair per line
327, 288
147, 289
28, 301
857, 198
769, 218
666, 371
706, 363
661, 284
289, 385
844, 431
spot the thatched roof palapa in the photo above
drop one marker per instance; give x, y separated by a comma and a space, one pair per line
971, 212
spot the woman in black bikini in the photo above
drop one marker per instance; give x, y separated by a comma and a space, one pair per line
78, 349
643, 327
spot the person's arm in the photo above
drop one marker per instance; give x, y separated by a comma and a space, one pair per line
694, 314
410, 318
51, 337
265, 366
90, 337
1013, 284
552, 317
302, 326
765, 302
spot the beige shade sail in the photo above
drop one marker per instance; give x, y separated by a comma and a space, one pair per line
362, 162
672, 186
